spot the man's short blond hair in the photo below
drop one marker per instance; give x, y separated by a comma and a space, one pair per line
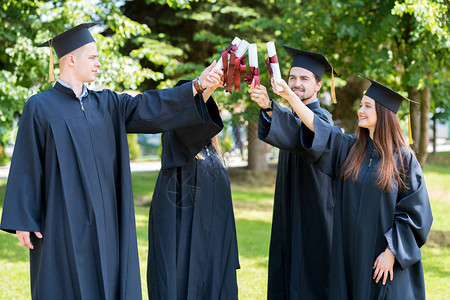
77, 53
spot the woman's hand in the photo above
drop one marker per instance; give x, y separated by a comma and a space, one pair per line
383, 266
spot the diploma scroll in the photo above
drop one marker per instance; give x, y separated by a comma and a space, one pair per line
253, 77
239, 64
230, 71
272, 64
219, 63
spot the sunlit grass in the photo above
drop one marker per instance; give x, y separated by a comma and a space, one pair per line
253, 213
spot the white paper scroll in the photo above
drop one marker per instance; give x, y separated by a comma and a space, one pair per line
253, 55
275, 66
242, 48
236, 41
253, 63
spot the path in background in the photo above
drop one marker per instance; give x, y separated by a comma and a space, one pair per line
233, 161
144, 166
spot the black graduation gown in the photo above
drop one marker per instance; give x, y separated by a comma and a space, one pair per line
367, 220
300, 242
70, 180
193, 250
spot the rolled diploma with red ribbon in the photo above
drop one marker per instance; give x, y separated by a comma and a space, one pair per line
236, 41
275, 66
242, 48
253, 60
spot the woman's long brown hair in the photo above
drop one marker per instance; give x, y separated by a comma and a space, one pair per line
388, 139
217, 149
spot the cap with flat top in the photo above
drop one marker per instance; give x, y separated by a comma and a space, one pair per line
384, 95
314, 62
71, 39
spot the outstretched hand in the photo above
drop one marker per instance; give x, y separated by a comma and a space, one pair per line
210, 78
24, 238
384, 265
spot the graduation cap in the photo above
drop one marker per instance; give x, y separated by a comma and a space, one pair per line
314, 62
68, 41
388, 98
384, 95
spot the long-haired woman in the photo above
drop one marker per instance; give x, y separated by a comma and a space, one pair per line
193, 250
382, 212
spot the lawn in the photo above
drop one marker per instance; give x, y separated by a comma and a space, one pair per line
252, 197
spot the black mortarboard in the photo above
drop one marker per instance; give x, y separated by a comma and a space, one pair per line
384, 95
71, 39
314, 62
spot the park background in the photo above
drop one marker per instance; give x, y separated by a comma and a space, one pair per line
145, 44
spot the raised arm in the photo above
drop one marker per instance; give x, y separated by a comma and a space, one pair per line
303, 112
178, 146
163, 110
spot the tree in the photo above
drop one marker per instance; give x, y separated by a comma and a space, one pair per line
200, 30
403, 44
24, 68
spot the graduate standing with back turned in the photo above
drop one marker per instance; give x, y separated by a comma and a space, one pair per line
193, 251
382, 215
300, 241
69, 197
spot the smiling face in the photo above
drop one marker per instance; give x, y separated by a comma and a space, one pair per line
304, 84
87, 63
367, 114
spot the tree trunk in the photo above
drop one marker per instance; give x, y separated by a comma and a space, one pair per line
413, 94
424, 125
256, 149
434, 133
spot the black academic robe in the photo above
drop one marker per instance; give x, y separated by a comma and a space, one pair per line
367, 220
300, 242
193, 250
70, 180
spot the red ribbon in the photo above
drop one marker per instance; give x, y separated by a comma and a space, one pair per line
228, 69
271, 60
254, 75
239, 68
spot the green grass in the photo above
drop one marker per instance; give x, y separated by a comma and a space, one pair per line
253, 212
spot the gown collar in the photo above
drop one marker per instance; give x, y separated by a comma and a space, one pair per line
68, 91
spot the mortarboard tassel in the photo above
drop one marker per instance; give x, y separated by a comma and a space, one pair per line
333, 92
51, 76
411, 141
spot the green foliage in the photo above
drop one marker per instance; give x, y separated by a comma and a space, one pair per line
24, 68
152, 43
133, 146
400, 43
225, 141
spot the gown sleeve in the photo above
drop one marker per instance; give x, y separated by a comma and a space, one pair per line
327, 146
180, 145
412, 218
283, 131
22, 208
156, 111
